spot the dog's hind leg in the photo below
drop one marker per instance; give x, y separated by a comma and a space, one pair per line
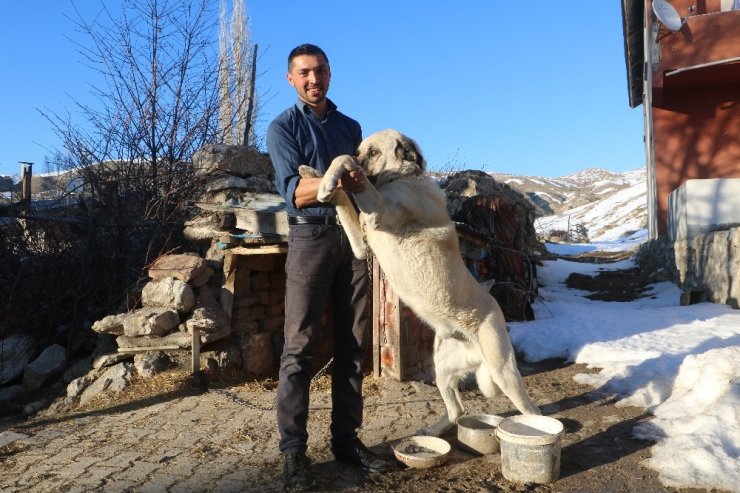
447, 372
498, 355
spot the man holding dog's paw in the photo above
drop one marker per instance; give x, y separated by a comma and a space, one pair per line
320, 267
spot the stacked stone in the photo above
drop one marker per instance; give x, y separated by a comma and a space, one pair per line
230, 170
258, 309
708, 267
175, 301
230, 174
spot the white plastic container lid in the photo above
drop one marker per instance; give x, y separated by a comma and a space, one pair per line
530, 430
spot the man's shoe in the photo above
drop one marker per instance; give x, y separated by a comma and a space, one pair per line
356, 453
297, 474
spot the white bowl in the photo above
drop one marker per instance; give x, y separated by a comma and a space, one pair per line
422, 452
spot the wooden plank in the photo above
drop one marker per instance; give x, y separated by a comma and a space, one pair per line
389, 344
377, 321
196, 351
263, 250
149, 348
226, 295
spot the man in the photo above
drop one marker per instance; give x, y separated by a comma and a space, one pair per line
320, 267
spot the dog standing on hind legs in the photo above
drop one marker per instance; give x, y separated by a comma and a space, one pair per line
403, 219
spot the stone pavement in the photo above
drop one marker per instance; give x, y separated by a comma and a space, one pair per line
211, 441
225, 440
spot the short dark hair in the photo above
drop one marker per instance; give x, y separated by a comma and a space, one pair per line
306, 49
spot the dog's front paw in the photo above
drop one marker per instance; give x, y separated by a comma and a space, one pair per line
326, 191
308, 172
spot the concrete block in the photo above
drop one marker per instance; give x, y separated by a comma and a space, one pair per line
703, 206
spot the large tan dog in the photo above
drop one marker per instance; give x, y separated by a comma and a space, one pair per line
405, 223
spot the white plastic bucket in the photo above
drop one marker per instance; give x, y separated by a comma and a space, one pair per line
530, 448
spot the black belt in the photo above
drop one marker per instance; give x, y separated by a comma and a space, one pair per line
327, 220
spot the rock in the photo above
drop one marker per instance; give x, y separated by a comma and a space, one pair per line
112, 324
34, 407
202, 279
216, 252
60, 406
168, 292
16, 352
152, 362
223, 182
234, 160
201, 228
8, 437
260, 184
106, 344
49, 365
208, 316
78, 385
208, 338
152, 321
114, 379
111, 359
10, 396
79, 368
222, 355
256, 351
183, 267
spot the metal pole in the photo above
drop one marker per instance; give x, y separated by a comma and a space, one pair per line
26, 175
647, 106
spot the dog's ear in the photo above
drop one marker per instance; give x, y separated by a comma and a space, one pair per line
407, 150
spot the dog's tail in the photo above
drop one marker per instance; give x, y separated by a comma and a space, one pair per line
485, 382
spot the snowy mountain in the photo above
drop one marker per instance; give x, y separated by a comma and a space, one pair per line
608, 205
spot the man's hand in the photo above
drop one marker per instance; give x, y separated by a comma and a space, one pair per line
353, 181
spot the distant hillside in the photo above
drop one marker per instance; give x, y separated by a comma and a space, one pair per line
609, 205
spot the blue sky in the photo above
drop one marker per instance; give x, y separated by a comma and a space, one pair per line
532, 88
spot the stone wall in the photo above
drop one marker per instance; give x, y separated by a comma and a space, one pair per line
705, 267
656, 256
709, 268
254, 295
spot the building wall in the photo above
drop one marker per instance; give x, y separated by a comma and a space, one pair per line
696, 112
696, 137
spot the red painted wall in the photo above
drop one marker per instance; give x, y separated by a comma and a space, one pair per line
696, 113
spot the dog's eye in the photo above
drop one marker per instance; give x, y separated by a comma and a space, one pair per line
373, 152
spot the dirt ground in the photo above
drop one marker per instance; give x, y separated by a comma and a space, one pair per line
598, 452
236, 433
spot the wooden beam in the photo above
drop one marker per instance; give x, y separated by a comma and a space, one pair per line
196, 351
149, 348
263, 250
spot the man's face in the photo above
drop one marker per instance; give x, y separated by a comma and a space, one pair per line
310, 75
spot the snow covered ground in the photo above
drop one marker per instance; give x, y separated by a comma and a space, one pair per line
681, 363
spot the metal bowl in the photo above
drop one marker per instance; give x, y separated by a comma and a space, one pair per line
476, 433
422, 452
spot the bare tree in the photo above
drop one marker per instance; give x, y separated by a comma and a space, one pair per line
157, 102
237, 75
